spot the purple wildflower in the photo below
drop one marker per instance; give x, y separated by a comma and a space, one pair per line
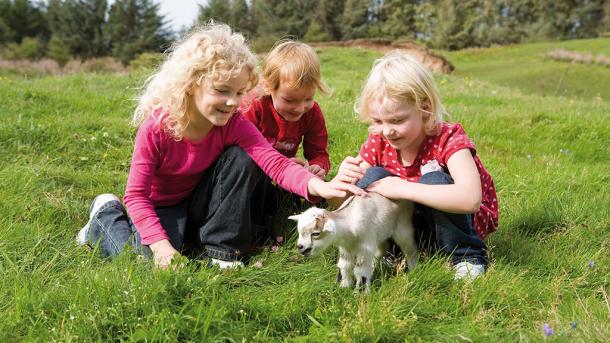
279, 239
573, 325
274, 248
591, 264
548, 330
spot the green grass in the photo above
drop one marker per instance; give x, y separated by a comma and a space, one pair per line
525, 67
65, 139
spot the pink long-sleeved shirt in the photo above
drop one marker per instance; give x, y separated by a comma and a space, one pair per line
165, 171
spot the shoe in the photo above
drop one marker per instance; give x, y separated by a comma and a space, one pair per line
226, 264
83, 235
468, 271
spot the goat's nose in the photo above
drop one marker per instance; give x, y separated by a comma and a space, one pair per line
300, 246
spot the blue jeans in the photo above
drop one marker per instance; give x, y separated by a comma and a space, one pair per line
452, 234
215, 217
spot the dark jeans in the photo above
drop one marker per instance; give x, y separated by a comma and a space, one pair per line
215, 218
452, 234
271, 200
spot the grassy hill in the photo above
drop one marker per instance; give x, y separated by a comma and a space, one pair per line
526, 67
64, 140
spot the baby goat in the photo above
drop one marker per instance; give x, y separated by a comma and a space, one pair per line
359, 228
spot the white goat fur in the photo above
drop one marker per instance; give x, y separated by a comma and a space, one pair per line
360, 227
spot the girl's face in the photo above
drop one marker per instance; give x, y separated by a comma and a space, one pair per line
291, 104
214, 102
402, 124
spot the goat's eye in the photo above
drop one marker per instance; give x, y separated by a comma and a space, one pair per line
315, 234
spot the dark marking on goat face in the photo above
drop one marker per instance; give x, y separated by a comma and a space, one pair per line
339, 277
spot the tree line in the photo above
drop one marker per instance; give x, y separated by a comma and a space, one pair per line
61, 29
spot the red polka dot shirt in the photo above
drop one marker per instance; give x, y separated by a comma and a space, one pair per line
435, 151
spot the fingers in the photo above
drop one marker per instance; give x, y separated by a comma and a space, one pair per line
299, 161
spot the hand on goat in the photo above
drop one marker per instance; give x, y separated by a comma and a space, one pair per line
332, 189
392, 187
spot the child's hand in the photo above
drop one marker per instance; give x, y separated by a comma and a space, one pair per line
332, 189
350, 170
391, 187
297, 160
164, 253
317, 170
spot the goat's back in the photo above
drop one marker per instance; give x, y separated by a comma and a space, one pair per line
374, 211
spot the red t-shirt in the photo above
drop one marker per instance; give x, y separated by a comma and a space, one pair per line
377, 152
286, 136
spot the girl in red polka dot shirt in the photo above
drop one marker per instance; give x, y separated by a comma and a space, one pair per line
412, 154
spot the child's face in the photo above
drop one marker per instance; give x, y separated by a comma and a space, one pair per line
216, 101
291, 104
402, 124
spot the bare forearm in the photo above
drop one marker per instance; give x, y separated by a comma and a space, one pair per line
448, 198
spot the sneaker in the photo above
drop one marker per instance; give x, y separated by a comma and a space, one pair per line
83, 235
468, 271
226, 264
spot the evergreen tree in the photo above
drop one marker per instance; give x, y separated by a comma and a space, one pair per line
355, 19
20, 19
217, 10
399, 18
79, 24
456, 24
284, 17
135, 26
328, 18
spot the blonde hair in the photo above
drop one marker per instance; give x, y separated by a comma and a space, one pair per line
402, 78
295, 63
208, 53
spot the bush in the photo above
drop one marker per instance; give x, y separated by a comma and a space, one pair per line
58, 50
263, 43
95, 65
31, 48
315, 33
147, 60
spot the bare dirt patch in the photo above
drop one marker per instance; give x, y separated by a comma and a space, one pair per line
432, 61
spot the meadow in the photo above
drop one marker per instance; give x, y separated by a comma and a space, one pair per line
65, 139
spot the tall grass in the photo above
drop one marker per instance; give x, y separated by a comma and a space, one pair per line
65, 139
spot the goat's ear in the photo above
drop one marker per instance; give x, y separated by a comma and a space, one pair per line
295, 217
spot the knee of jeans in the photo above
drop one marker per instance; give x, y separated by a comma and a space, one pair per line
372, 174
239, 159
436, 178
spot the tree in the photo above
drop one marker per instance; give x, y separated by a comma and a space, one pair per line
79, 24
399, 18
20, 19
135, 26
455, 25
328, 17
284, 17
355, 19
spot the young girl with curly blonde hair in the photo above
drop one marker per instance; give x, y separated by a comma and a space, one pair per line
196, 159
412, 154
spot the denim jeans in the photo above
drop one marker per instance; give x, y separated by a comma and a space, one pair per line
215, 217
452, 234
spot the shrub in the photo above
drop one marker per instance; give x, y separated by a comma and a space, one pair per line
58, 50
147, 60
31, 48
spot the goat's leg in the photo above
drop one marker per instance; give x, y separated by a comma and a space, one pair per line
363, 271
346, 266
404, 236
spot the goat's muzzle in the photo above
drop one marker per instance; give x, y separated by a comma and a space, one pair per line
303, 251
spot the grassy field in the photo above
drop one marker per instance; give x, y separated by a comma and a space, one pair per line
64, 140
526, 67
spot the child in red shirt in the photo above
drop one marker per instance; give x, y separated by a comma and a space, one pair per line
412, 154
286, 114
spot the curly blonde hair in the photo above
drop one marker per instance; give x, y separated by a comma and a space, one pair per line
402, 78
295, 63
211, 52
